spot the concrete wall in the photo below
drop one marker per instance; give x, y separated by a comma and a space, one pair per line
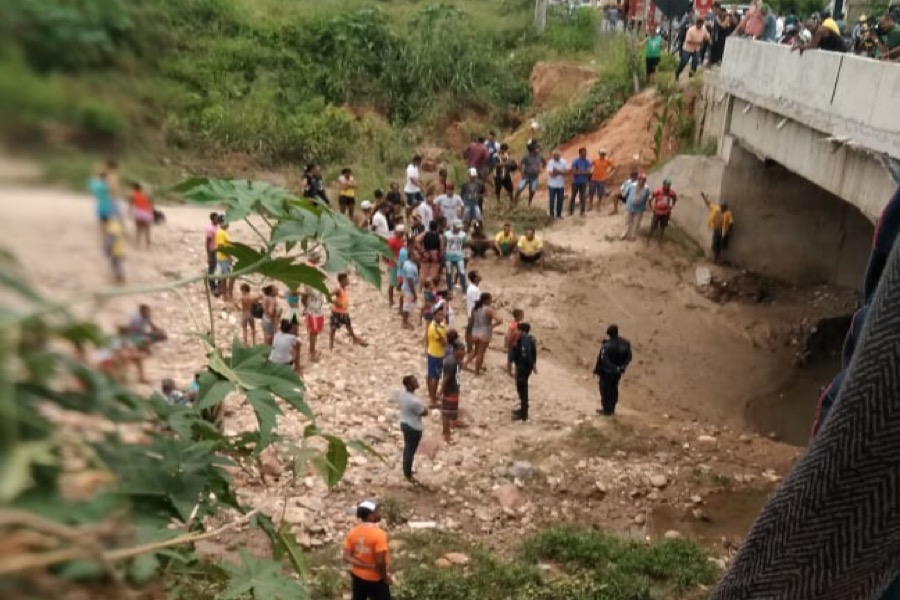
840, 95
785, 226
852, 174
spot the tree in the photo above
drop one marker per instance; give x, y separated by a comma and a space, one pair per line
151, 497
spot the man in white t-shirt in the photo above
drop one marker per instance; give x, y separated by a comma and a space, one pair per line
473, 292
557, 167
426, 212
379, 221
450, 204
413, 187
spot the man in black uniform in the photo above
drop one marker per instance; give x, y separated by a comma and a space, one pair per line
614, 358
525, 359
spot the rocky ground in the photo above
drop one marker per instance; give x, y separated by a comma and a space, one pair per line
680, 457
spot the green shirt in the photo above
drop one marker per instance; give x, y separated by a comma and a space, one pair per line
892, 39
654, 46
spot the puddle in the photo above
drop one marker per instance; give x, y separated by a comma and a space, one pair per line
730, 513
789, 408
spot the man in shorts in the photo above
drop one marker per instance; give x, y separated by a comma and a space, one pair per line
223, 240
347, 192
530, 250
662, 202
313, 310
602, 169
652, 52
413, 188
435, 346
450, 387
473, 198
396, 243
531, 166
340, 312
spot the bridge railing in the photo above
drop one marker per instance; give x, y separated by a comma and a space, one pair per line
853, 99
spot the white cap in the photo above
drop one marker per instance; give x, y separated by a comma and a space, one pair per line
473, 171
365, 205
457, 223
367, 504
400, 228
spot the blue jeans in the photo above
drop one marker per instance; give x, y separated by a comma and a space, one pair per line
693, 57
460, 265
557, 198
471, 213
411, 439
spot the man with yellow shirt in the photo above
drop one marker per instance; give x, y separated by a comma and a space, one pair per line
366, 551
222, 240
530, 250
720, 221
435, 343
505, 241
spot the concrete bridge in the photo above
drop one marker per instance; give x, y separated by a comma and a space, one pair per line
805, 150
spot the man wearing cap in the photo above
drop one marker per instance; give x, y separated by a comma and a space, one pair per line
662, 202
473, 197
635, 205
366, 551
602, 169
396, 243
613, 359
623, 190
531, 166
557, 168
364, 221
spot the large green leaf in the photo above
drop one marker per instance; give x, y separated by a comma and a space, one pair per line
261, 578
334, 464
267, 412
16, 467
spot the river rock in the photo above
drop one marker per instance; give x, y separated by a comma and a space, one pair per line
707, 439
659, 480
457, 558
640, 519
672, 534
521, 469
509, 497
443, 563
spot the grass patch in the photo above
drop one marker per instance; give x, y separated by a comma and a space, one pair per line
678, 236
553, 565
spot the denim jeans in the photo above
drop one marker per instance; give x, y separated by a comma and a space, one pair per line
557, 198
460, 265
578, 189
522, 375
693, 57
411, 439
211, 264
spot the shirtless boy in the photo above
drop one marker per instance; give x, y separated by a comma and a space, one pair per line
248, 321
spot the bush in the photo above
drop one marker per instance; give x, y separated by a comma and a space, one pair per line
572, 29
101, 120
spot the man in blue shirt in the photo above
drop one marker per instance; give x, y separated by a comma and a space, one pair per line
581, 175
410, 285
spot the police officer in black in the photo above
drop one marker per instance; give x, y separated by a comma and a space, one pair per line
614, 358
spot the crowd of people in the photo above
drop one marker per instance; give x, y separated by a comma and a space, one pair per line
434, 237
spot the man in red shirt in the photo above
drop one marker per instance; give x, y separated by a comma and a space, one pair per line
477, 156
396, 243
662, 203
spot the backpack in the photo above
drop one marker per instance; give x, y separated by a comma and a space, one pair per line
257, 310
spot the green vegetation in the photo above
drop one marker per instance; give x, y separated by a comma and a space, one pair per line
554, 564
282, 82
156, 493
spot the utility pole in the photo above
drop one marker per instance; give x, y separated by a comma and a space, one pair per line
540, 16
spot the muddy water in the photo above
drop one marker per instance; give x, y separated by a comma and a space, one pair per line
788, 408
730, 514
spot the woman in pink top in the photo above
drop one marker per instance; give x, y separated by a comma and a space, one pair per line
694, 39
753, 24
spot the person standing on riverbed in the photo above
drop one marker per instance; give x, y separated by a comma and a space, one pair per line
412, 409
720, 221
524, 356
613, 359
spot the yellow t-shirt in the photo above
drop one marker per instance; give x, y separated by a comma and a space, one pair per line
114, 230
348, 192
222, 240
437, 339
530, 247
501, 238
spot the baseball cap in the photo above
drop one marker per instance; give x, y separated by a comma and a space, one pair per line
473, 171
400, 228
366, 508
457, 223
365, 205
603, 151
